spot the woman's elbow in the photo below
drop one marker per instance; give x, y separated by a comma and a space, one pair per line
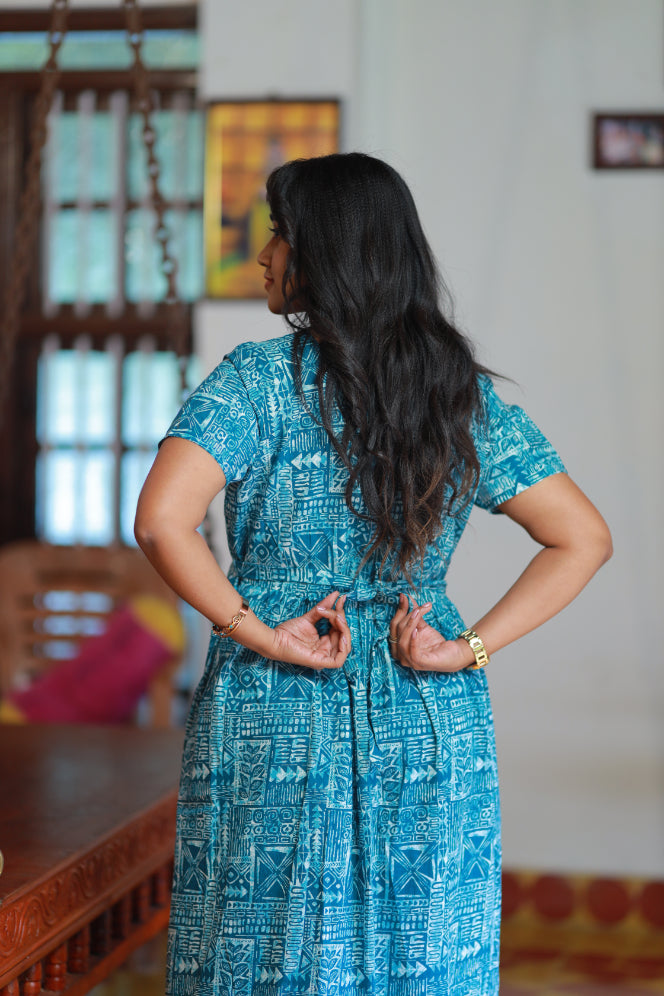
608, 545
144, 532
150, 526
599, 544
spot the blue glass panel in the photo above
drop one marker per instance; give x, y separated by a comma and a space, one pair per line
100, 50
56, 509
151, 397
97, 488
63, 625
56, 397
69, 601
76, 397
75, 497
97, 412
59, 650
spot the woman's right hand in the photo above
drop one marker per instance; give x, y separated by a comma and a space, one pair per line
414, 643
297, 641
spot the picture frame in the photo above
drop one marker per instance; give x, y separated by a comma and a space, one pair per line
245, 141
628, 140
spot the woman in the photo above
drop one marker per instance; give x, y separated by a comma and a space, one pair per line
338, 825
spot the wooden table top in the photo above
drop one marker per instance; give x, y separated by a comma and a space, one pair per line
62, 788
86, 813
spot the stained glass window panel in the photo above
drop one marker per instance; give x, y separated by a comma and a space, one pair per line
174, 49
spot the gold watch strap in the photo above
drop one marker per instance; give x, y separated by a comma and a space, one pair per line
234, 623
477, 647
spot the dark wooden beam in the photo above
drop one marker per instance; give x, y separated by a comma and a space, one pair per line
105, 79
178, 17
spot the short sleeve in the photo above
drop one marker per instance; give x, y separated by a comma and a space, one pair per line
219, 417
513, 452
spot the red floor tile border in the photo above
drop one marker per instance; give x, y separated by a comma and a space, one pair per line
591, 900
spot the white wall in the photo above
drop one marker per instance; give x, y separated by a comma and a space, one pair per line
557, 273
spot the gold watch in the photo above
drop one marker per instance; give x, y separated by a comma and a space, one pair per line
477, 647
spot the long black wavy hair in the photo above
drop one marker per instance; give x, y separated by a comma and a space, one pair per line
362, 280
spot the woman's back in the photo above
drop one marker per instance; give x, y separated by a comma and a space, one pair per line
287, 518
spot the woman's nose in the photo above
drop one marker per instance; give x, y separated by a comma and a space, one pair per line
265, 254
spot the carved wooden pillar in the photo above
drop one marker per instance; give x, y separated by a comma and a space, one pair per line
55, 970
32, 981
79, 952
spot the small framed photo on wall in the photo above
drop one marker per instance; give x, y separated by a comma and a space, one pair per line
245, 141
627, 140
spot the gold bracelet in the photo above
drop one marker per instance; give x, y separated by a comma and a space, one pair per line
234, 623
477, 647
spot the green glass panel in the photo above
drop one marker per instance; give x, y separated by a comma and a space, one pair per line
103, 177
188, 243
144, 279
74, 138
63, 257
102, 270
64, 158
179, 149
100, 50
82, 256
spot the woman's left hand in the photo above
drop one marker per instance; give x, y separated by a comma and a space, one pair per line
414, 643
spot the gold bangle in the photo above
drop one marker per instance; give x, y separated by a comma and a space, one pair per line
477, 647
234, 623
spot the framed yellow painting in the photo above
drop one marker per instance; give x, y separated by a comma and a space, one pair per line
245, 141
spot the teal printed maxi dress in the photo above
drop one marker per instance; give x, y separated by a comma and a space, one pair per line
339, 830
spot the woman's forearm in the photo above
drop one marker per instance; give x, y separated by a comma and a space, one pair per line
185, 562
552, 579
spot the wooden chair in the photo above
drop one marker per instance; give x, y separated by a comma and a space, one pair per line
52, 597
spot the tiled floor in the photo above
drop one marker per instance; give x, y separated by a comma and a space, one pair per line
561, 936
581, 936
